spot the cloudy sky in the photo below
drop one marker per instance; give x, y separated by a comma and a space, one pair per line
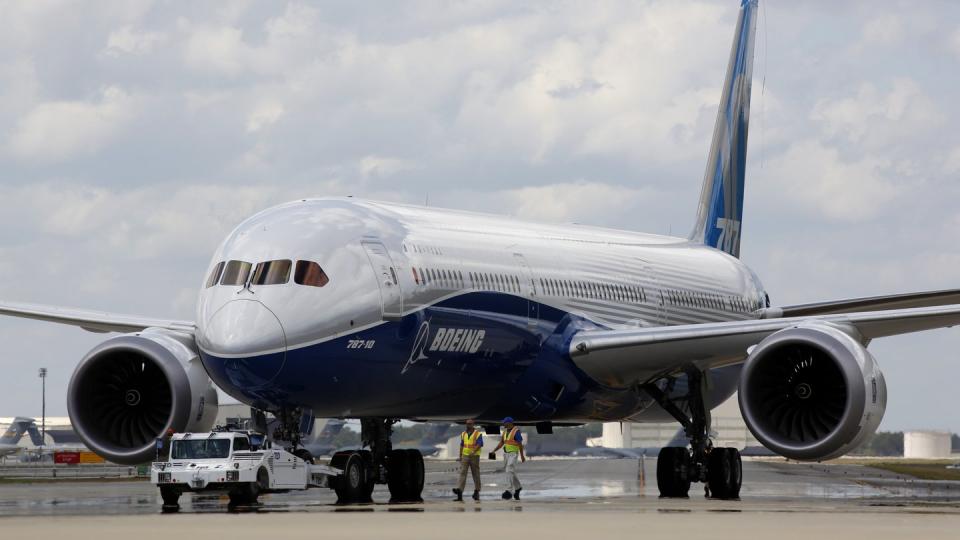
135, 135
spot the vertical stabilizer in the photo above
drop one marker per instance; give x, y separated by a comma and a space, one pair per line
721, 200
15, 432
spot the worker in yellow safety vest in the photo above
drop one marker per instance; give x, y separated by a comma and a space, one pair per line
471, 443
512, 444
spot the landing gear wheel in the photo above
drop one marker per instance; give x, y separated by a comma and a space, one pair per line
399, 475
724, 473
405, 475
351, 485
673, 472
417, 475
304, 454
370, 476
170, 496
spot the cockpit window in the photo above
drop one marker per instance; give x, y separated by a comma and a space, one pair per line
236, 273
310, 273
215, 274
272, 273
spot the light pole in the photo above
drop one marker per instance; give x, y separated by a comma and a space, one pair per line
43, 408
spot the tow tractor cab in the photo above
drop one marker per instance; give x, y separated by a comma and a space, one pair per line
242, 464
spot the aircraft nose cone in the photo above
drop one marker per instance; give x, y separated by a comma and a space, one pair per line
247, 339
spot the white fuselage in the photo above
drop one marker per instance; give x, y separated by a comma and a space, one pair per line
388, 263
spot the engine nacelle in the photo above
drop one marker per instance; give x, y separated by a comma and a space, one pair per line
812, 392
130, 389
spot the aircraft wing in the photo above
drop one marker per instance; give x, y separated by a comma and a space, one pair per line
623, 357
873, 303
92, 321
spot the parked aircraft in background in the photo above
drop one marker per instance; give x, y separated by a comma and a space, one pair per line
323, 441
10, 440
348, 308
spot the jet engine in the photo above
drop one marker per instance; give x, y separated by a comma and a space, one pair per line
812, 392
131, 389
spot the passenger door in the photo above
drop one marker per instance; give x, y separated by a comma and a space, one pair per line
391, 297
529, 288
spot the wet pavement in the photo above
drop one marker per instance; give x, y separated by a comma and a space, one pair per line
562, 498
549, 485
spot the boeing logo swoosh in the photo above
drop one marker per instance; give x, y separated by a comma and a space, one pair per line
419, 344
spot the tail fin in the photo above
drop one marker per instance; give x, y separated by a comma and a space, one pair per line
35, 437
721, 199
15, 432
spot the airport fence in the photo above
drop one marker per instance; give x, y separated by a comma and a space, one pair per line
72, 471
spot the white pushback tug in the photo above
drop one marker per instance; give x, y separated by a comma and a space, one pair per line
242, 464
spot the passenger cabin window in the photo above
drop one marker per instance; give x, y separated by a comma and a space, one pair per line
215, 275
236, 273
272, 273
309, 273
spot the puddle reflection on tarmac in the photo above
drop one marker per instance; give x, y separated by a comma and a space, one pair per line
548, 485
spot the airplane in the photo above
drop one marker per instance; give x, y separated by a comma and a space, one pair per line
62, 435
10, 440
434, 439
322, 442
358, 309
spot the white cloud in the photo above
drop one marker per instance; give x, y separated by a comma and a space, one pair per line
128, 40
585, 201
216, 48
372, 167
263, 115
883, 29
878, 119
954, 42
59, 130
821, 180
951, 164
569, 201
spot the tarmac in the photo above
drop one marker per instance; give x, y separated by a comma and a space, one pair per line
563, 498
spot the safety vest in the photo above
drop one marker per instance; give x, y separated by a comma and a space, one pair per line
510, 443
471, 443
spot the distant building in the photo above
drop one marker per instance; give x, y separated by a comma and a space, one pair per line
926, 444
228, 413
727, 427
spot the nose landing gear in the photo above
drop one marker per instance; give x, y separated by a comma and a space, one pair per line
720, 469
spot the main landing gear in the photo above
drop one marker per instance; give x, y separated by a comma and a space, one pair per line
719, 469
402, 470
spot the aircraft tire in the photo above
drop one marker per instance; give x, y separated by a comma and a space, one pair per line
673, 472
370, 475
399, 475
724, 473
416, 475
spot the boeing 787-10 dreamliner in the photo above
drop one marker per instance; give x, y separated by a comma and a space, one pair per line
349, 308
